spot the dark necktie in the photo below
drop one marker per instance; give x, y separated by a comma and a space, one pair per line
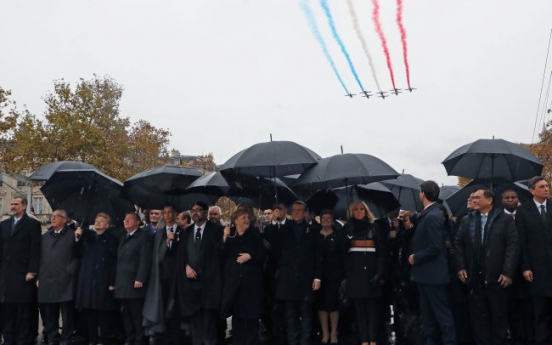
543, 212
198, 237
127, 236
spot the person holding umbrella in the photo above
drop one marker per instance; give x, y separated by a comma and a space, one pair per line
96, 282
365, 255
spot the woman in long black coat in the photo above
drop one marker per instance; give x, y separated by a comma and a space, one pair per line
244, 255
97, 278
366, 257
327, 298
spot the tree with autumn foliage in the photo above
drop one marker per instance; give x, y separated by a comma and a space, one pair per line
543, 151
83, 123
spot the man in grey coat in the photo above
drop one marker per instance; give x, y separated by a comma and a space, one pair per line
133, 268
57, 278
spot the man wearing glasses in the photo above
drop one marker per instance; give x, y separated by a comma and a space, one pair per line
57, 278
20, 245
199, 275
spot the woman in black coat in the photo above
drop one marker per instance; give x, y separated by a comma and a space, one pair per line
244, 255
327, 298
97, 278
366, 256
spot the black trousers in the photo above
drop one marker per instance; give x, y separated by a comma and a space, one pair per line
520, 314
203, 327
245, 331
299, 322
435, 313
489, 315
542, 311
15, 323
132, 319
98, 323
368, 318
51, 321
172, 336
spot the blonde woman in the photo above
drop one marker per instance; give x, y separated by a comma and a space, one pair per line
365, 269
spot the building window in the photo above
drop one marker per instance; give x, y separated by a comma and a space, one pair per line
21, 183
1, 203
38, 205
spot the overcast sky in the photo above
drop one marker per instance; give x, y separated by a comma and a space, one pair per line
224, 74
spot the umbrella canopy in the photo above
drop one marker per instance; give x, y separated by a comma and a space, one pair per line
379, 199
493, 159
258, 192
46, 171
406, 188
446, 191
85, 193
271, 159
161, 186
345, 170
457, 201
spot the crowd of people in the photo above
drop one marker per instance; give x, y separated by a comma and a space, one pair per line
176, 277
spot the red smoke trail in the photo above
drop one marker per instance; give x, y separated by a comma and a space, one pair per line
403, 39
375, 18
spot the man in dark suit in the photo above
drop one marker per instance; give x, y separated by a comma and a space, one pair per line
199, 275
133, 269
20, 245
299, 275
430, 268
164, 329
534, 222
56, 280
520, 308
487, 253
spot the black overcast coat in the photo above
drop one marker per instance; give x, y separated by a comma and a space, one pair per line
205, 292
300, 264
243, 283
536, 246
133, 264
59, 267
20, 255
501, 247
97, 273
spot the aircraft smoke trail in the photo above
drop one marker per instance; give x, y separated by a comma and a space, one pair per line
324, 4
403, 39
362, 41
316, 32
379, 30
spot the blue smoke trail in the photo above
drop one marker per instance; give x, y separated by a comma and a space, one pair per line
318, 36
324, 4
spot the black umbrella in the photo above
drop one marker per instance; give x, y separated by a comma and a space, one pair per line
258, 192
271, 159
446, 191
46, 171
493, 159
85, 193
457, 202
345, 170
379, 199
406, 189
161, 186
